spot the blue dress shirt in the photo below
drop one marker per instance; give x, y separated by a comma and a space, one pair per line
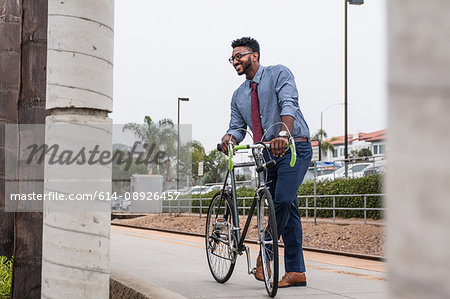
278, 96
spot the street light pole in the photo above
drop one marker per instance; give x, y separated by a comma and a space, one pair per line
352, 2
322, 112
178, 142
321, 131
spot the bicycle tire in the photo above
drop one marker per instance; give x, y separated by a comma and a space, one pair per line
220, 240
268, 240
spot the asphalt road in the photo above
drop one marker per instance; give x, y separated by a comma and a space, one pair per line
178, 263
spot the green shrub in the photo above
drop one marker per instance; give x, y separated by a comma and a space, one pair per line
5, 276
365, 185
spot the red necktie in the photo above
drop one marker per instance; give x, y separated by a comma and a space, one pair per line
256, 116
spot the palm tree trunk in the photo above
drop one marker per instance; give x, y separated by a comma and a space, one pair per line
79, 95
10, 39
31, 110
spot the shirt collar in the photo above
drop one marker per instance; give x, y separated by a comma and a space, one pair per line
257, 77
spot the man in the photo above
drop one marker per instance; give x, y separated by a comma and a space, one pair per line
269, 95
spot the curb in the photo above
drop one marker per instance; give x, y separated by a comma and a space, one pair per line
124, 285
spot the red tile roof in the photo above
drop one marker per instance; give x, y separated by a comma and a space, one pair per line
377, 135
369, 137
340, 139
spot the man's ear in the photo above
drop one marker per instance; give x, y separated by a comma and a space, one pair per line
255, 56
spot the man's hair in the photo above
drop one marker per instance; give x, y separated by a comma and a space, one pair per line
247, 42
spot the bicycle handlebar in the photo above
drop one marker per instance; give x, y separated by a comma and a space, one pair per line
232, 148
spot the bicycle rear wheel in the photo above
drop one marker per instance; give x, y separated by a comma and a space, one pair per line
220, 240
268, 240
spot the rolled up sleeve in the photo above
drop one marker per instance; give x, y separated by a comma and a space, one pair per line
286, 91
236, 122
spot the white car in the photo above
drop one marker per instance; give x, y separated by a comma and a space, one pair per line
378, 168
198, 189
212, 188
354, 171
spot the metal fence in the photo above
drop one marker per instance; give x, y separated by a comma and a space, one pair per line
185, 205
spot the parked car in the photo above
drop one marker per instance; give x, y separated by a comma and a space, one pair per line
354, 171
212, 188
195, 190
379, 167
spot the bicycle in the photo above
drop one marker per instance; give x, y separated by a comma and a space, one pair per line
223, 237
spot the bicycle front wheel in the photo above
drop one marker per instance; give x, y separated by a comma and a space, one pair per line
220, 239
268, 240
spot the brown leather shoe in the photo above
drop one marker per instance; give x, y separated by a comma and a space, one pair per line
293, 279
259, 275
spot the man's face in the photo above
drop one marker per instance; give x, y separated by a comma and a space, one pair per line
243, 64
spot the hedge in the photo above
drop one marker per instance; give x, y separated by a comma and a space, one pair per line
365, 185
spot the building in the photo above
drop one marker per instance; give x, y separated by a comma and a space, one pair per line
374, 141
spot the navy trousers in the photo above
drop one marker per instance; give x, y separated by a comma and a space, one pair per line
284, 181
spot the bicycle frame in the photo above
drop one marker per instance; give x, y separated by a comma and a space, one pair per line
258, 162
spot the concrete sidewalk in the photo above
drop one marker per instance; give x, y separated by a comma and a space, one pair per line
178, 264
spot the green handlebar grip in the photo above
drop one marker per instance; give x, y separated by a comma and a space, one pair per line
293, 156
238, 147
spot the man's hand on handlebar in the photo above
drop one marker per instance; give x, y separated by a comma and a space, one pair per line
225, 141
278, 146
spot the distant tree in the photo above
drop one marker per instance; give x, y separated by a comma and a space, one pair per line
242, 177
353, 154
198, 155
121, 171
190, 155
364, 152
215, 167
325, 146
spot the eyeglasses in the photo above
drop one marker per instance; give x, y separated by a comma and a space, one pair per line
238, 56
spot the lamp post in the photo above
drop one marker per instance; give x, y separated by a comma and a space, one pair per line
178, 142
351, 2
321, 132
321, 115
321, 128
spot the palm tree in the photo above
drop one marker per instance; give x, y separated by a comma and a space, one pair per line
325, 146
31, 110
161, 134
79, 84
10, 46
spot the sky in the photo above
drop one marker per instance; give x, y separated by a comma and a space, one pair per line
174, 48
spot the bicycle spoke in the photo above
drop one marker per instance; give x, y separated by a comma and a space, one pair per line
221, 257
268, 243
